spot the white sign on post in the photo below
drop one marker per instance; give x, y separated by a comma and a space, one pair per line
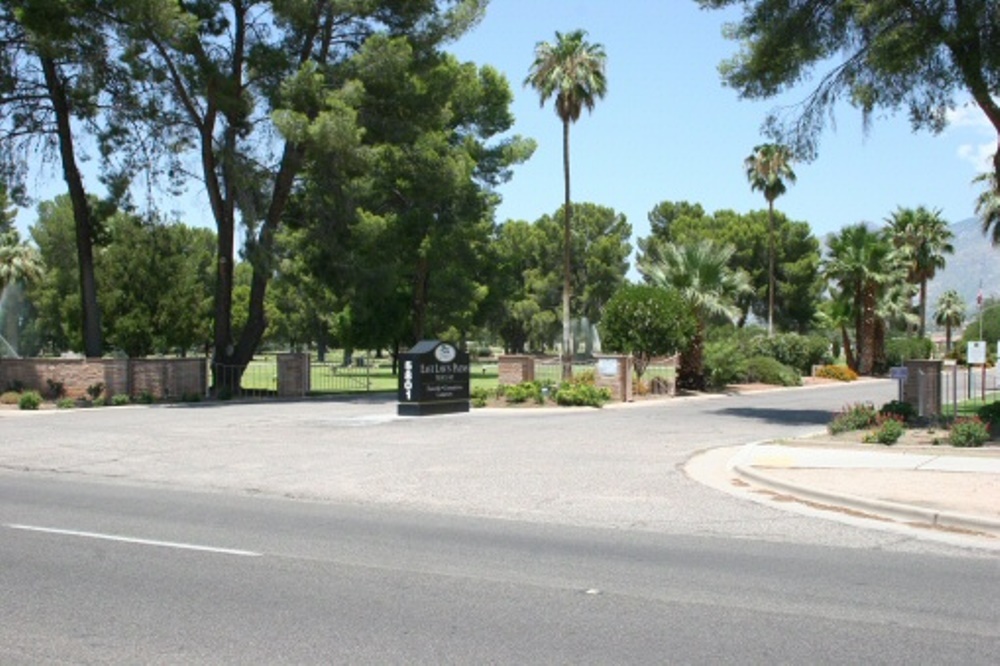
976, 353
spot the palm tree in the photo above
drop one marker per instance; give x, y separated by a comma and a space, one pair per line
701, 273
864, 263
950, 313
768, 167
988, 205
924, 239
19, 262
572, 70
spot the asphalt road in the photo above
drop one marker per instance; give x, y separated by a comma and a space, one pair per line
338, 533
142, 575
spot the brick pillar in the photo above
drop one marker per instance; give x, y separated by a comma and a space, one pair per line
615, 373
922, 387
293, 375
516, 369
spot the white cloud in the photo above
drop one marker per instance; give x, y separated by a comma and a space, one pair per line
968, 115
979, 155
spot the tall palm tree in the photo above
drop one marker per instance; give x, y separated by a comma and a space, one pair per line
701, 273
924, 239
988, 205
768, 168
572, 70
864, 263
950, 313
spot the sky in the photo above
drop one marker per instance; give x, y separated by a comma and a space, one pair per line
669, 130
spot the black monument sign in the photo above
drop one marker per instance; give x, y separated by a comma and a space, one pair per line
433, 379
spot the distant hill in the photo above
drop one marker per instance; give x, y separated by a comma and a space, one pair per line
975, 262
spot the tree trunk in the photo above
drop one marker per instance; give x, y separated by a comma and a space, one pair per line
690, 373
770, 268
867, 340
82, 214
848, 350
923, 306
567, 350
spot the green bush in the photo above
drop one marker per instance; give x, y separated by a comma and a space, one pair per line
144, 398
65, 403
30, 400
898, 350
839, 372
10, 397
479, 396
119, 399
859, 416
990, 413
523, 392
725, 362
95, 390
969, 432
888, 431
767, 370
800, 352
904, 410
580, 394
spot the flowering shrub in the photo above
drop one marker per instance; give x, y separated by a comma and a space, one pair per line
858, 416
839, 372
904, 410
969, 432
888, 431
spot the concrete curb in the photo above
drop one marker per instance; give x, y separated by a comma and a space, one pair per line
891, 510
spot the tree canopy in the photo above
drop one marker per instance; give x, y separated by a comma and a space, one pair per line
921, 57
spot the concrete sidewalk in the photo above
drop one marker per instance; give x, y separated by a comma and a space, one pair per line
958, 489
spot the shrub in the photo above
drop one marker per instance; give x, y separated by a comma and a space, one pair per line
16, 385
888, 431
30, 400
144, 398
95, 390
580, 394
800, 352
99, 402
523, 392
56, 389
725, 362
839, 372
903, 410
119, 399
898, 350
479, 396
858, 416
10, 397
66, 403
968, 432
990, 413
767, 370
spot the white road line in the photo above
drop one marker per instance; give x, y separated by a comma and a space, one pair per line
140, 542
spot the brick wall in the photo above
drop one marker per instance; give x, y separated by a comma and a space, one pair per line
163, 378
